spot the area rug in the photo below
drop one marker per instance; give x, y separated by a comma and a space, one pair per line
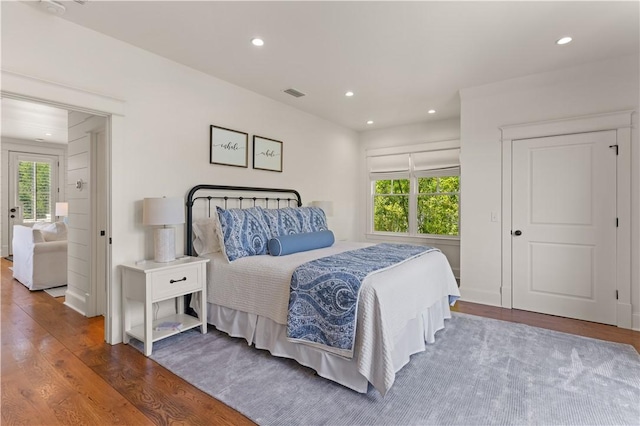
56, 291
479, 372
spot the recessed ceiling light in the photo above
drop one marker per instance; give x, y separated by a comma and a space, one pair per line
47, 134
432, 111
257, 42
349, 94
564, 40
370, 122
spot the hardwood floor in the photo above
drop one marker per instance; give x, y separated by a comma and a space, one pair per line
56, 368
550, 322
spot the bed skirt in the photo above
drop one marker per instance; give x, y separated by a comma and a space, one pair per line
265, 333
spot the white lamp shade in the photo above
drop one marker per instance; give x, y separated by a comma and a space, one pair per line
62, 209
162, 211
326, 206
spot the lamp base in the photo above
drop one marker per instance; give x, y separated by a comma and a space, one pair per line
164, 245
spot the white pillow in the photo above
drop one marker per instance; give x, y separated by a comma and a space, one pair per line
205, 238
56, 231
37, 236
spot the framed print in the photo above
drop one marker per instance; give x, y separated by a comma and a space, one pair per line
267, 154
229, 147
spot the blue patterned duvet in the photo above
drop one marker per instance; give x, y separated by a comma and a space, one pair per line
324, 294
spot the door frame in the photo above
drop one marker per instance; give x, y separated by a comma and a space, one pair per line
27, 88
9, 146
622, 123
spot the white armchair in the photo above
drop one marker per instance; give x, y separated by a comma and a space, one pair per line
40, 255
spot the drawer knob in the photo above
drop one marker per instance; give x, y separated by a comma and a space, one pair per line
177, 281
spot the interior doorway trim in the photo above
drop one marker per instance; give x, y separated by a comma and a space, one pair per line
28, 88
622, 122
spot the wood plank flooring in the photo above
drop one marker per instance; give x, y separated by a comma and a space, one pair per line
57, 369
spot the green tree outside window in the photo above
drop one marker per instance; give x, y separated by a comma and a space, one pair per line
437, 205
391, 205
34, 190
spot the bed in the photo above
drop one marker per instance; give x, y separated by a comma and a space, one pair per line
398, 311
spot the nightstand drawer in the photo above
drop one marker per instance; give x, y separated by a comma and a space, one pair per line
174, 282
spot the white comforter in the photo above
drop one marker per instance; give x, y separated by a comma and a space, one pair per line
389, 298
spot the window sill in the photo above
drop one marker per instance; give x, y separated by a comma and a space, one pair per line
442, 239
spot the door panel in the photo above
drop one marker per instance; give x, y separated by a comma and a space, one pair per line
564, 204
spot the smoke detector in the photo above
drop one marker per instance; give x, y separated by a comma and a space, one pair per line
53, 7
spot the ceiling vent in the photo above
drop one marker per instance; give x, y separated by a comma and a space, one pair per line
295, 93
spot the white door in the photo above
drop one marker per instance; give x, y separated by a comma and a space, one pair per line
564, 226
86, 193
33, 189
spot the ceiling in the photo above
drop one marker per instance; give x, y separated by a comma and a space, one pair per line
30, 121
399, 58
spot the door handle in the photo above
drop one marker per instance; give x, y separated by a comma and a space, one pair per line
517, 232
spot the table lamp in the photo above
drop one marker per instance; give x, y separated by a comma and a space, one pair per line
326, 206
163, 211
62, 210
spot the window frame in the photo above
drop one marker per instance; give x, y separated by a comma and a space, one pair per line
389, 176
437, 173
53, 162
412, 176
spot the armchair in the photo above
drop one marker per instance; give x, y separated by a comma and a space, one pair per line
38, 263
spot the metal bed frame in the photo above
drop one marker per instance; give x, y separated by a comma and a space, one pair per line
224, 199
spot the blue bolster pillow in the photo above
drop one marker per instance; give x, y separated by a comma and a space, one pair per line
294, 243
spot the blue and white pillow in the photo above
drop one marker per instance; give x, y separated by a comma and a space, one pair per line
283, 221
245, 232
295, 220
312, 219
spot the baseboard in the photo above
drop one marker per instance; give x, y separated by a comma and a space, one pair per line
480, 296
624, 318
75, 301
635, 323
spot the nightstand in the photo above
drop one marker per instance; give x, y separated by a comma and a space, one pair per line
149, 282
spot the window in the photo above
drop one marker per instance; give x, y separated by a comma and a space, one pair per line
391, 205
438, 205
416, 194
34, 190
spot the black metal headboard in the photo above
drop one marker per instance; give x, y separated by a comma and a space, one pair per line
221, 194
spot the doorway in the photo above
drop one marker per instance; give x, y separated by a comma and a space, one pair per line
564, 225
42, 173
33, 189
584, 222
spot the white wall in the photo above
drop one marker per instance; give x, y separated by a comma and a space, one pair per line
401, 136
608, 86
169, 108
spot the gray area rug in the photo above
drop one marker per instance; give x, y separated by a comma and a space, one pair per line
479, 372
